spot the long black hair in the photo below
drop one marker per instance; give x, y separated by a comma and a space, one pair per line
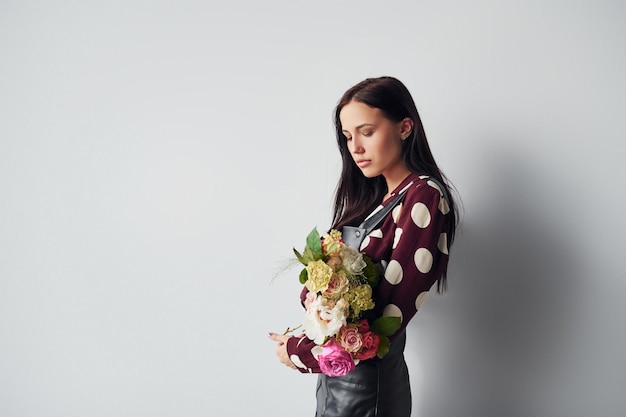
356, 195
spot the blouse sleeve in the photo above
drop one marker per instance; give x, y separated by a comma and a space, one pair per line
419, 253
300, 350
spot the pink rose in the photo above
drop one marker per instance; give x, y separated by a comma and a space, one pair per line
337, 286
335, 360
350, 339
370, 342
363, 326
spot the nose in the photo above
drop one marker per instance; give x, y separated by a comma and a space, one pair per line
355, 145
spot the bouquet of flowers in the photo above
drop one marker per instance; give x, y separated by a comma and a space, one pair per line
339, 280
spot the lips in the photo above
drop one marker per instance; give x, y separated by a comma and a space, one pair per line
362, 163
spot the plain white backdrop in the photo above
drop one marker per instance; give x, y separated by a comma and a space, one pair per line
159, 160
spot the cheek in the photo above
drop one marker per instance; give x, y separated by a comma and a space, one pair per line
394, 144
390, 151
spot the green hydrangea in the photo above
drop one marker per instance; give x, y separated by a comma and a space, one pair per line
360, 299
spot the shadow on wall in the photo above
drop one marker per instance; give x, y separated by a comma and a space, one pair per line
514, 293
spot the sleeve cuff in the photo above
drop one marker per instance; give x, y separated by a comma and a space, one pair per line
300, 353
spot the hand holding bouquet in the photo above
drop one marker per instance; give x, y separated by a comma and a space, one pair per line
339, 280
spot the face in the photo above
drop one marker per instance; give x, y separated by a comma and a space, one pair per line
374, 141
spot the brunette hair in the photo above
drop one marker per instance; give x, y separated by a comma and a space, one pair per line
356, 195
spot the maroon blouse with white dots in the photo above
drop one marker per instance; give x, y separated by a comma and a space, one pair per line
412, 246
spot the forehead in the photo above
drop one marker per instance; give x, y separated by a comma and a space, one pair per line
356, 113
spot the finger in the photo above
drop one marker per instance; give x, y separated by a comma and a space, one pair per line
278, 337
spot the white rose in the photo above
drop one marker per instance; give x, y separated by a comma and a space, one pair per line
353, 261
324, 318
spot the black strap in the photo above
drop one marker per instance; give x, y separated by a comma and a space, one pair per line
371, 222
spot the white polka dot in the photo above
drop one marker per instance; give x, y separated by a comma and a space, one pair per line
420, 215
406, 187
395, 213
420, 299
384, 264
423, 260
434, 185
393, 272
376, 210
396, 238
443, 243
316, 351
444, 208
392, 310
296, 361
366, 241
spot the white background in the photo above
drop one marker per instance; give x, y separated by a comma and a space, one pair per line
159, 160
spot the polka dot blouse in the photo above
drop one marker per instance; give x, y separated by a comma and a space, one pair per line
412, 246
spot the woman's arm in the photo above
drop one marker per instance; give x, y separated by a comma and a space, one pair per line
419, 252
300, 351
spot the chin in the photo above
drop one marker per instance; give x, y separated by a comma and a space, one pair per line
370, 174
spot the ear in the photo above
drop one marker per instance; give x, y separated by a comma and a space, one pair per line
406, 127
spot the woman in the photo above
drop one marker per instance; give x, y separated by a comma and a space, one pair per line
385, 153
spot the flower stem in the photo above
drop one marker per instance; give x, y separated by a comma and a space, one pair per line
291, 330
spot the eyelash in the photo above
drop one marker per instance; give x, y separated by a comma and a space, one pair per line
366, 134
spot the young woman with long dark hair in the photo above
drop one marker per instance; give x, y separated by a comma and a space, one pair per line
385, 154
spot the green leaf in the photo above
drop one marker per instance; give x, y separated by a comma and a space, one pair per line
310, 255
386, 326
313, 241
383, 347
299, 256
370, 272
304, 275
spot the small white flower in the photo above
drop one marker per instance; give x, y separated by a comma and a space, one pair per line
353, 260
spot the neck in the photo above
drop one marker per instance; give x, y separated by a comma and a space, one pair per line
396, 177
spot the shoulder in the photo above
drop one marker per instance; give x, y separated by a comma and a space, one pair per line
424, 186
423, 190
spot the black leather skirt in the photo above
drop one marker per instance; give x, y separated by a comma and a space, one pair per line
376, 388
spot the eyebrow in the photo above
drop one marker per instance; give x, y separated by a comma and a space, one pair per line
359, 127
